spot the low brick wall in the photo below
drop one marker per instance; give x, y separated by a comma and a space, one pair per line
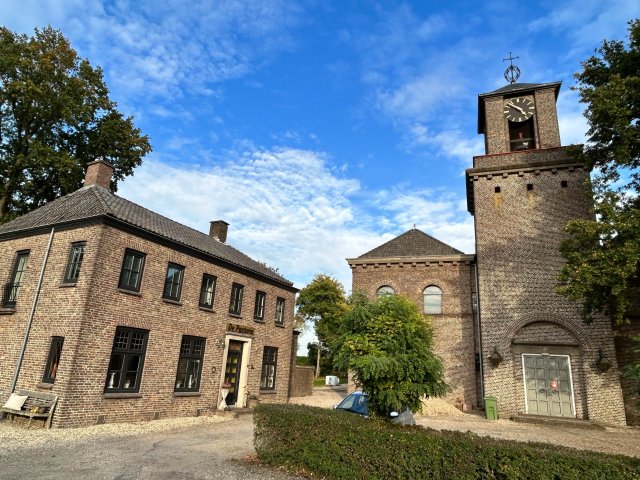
302, 381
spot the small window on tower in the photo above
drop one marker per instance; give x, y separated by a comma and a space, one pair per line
564, 184
521, 135
529, 187
497, 189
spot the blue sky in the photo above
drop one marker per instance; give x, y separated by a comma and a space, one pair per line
320, 129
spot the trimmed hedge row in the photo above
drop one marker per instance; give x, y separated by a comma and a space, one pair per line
339, 445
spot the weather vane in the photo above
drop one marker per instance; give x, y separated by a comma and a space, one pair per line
512, 73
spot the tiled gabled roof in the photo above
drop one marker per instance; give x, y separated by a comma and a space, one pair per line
413, 243
95, 201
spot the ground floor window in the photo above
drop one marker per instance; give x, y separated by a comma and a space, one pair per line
269, 364
127, 360
190, 364
53, 360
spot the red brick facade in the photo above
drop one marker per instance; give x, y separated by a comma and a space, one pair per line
86, 313
454, 338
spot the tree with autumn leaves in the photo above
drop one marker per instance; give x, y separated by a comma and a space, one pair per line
55, 117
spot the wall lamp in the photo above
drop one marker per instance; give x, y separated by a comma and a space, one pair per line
603, 363
495, 358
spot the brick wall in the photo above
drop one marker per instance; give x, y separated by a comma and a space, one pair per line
627, 341
87, 314
302, 381
518, 232
453, 329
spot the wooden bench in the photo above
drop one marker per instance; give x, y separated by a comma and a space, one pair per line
37, 405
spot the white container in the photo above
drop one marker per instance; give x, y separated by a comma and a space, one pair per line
331, 380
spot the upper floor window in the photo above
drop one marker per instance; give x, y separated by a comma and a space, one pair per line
74, 263
10, 292
433, 300
207, 291
55, 351
385, 290
280, 311
235, 305
127, 359
258, 311
131, 273
173, 282
190, 364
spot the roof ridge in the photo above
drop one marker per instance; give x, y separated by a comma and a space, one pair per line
95, 189
414, 242
438, 240
93, 201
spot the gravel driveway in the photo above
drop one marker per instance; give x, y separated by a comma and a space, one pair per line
184, 448
221, 448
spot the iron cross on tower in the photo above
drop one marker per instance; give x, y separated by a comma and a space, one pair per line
512, 73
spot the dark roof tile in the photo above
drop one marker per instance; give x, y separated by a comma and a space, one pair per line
95, 201
412, 243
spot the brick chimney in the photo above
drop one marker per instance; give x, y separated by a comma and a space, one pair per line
218, 230
99, 172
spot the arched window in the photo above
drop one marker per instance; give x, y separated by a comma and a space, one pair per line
385, 290
432, 300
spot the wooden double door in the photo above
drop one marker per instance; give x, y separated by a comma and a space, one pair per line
548, 385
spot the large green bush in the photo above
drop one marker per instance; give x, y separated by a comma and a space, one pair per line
338, 445
388, 344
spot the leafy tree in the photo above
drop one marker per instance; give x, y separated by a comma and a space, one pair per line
388, 345
55, 117
323, 303
603, 253
326, 362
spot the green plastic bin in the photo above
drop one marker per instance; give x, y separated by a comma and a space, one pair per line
491, 408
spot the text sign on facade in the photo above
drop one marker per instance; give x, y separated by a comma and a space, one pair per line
235, 328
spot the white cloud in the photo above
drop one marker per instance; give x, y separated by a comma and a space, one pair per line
440, 214
290, 208
163, 49
450, 143
419, 96
588, 22
573, 124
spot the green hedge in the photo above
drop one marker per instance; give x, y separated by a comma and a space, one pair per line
338, 445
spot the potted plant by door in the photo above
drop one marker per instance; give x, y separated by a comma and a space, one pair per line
252, 400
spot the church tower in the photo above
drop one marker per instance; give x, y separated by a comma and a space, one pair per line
538, 357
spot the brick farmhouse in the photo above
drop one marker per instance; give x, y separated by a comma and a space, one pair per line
501, 329
128, 315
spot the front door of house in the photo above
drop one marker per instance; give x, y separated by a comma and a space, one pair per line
232, 370
548, 389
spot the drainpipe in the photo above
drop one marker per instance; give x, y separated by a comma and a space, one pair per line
31, 314
479, 328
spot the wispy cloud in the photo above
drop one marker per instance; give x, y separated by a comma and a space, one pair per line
163, 50
292, 209
452, 143
588, 22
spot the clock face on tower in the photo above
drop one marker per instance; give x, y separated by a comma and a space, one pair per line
518, 109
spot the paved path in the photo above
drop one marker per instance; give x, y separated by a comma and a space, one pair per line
622, 440
198, 451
